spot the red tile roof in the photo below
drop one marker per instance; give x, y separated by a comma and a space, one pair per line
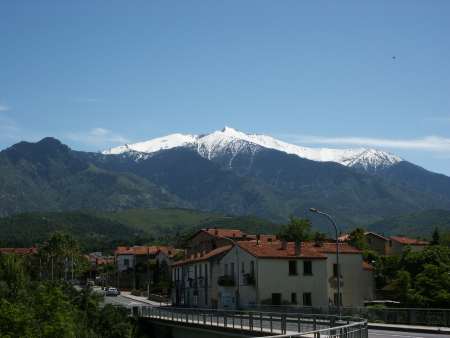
141, 250
19, 251
206, 256
230, 233
308, 249
408, 241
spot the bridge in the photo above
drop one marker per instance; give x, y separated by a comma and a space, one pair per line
230, 323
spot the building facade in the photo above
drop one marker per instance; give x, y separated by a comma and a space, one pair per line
257, 272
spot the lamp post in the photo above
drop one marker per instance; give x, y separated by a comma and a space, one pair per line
338, 272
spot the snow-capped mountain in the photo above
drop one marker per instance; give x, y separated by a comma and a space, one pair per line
231, 141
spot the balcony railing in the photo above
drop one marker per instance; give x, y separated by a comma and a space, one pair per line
226, 281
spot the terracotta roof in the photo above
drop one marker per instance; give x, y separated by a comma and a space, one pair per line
141, 250
367, 266
19, 251
263, 238
408, 241
308, 249
275, 250
230, 233
345, 248
206, 256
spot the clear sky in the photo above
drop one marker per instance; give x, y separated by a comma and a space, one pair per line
318, 73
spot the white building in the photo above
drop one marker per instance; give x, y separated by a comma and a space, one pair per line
275, 273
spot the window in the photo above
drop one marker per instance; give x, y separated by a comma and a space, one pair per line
307, 267
242, 267
225, 272
307, 299
276, 298
252, 268
126, 262
292, 268
232, 270
293, 298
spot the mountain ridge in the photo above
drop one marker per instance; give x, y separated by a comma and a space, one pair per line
233, 141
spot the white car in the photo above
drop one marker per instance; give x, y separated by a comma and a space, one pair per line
112, 292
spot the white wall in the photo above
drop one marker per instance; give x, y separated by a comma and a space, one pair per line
120, 261
356, 283
273, 277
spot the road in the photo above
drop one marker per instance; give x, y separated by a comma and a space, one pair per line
402, 334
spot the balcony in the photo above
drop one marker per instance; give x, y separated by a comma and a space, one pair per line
249, 279
226, 281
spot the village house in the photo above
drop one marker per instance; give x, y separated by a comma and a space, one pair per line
138, 266
272, 272
387, 246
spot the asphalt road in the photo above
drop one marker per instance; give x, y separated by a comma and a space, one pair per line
403, 334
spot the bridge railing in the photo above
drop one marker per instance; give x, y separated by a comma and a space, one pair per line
388, 315
262, 323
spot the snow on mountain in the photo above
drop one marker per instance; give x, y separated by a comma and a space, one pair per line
229, 140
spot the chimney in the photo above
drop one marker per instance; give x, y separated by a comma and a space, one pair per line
216, 232
283, 244
258, 236
298, 248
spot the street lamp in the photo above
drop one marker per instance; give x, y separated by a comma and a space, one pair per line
338, 298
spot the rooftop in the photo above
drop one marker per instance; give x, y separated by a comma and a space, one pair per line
204, 257
19, 251
307, 250
142, 250
408, 241
229, 233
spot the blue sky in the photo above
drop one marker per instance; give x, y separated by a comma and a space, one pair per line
319, 73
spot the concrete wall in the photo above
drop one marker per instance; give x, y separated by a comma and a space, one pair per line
273, 277
356, 283
377, 244
228, 295
120, 262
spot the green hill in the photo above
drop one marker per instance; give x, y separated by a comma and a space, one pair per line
417, 224
92, 232
164, 224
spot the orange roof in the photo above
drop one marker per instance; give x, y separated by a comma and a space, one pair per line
230, 233
408, 241
206, 256
275, 250
19, 251
141, 250
308, 249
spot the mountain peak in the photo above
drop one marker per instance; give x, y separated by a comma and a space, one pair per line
230, 140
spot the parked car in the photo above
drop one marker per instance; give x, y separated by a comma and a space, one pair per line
112, 292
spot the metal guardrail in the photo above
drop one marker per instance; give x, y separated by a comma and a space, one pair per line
388, 315
262, 323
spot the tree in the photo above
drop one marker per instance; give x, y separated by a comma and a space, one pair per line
357, 239
297, 230
436, 238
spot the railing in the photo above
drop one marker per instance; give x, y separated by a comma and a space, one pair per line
262, 323
388, 315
